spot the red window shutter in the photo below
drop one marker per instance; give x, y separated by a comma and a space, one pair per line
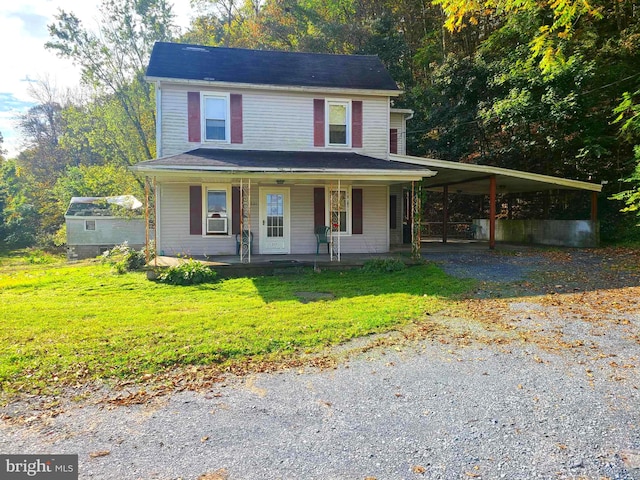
195, 210
318, 123
236, 118
318, 207
356, 211
393, 140
356, 124
235, 210
193, 109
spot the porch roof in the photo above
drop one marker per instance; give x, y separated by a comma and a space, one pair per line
474, 179
246, 162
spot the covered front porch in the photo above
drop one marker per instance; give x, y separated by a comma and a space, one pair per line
239, 204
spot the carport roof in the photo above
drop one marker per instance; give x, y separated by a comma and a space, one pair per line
474, 179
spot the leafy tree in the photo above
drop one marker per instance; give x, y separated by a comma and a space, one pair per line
40, 127
95, 181
548, 44
113, 60
629, 116
4, 194
83, 142
18, 216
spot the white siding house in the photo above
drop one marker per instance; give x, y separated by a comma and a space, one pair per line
276, 144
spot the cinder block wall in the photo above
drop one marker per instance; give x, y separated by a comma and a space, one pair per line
564, 233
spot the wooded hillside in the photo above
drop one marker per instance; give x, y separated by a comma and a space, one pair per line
551, 87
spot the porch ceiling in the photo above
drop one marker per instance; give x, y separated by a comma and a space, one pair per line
474, 179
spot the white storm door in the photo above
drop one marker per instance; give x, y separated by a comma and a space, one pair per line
274, 220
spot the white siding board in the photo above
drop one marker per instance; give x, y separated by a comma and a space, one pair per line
277, 122
375, 221
374, 238
375, 127
397, 120
271, 121
108, 231
303, 239
174, 219
174, 122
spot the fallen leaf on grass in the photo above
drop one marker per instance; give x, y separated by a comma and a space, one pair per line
101, 453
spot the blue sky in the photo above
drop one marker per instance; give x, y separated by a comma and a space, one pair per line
23, 58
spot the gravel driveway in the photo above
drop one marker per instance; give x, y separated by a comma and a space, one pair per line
553, 396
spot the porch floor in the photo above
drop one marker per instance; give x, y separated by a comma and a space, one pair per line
347, 259
231, 266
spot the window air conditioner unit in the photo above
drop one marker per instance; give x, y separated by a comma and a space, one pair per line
216, 225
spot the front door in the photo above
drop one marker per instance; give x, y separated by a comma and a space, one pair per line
274, 220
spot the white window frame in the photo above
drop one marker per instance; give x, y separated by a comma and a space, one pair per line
205, 208
203, 114
327, 107
327, 195
95, 225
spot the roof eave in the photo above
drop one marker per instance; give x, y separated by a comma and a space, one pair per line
289, 88
404, 111
306, 172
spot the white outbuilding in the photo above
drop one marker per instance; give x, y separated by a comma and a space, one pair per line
96, 224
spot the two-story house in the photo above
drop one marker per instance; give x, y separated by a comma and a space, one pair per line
276, 144
284, 146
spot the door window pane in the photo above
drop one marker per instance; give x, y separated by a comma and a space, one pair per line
275, 215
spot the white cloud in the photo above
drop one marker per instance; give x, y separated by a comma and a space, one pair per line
7, 127
23, 33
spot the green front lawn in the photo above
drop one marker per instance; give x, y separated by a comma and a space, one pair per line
62, 324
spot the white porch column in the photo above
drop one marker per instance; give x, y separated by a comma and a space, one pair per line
245, 221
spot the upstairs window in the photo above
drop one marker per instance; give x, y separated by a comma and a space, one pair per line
338, 122
216, 118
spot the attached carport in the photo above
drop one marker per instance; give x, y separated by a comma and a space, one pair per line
487, 180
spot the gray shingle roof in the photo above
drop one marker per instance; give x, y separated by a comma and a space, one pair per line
258, 160
196, 62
